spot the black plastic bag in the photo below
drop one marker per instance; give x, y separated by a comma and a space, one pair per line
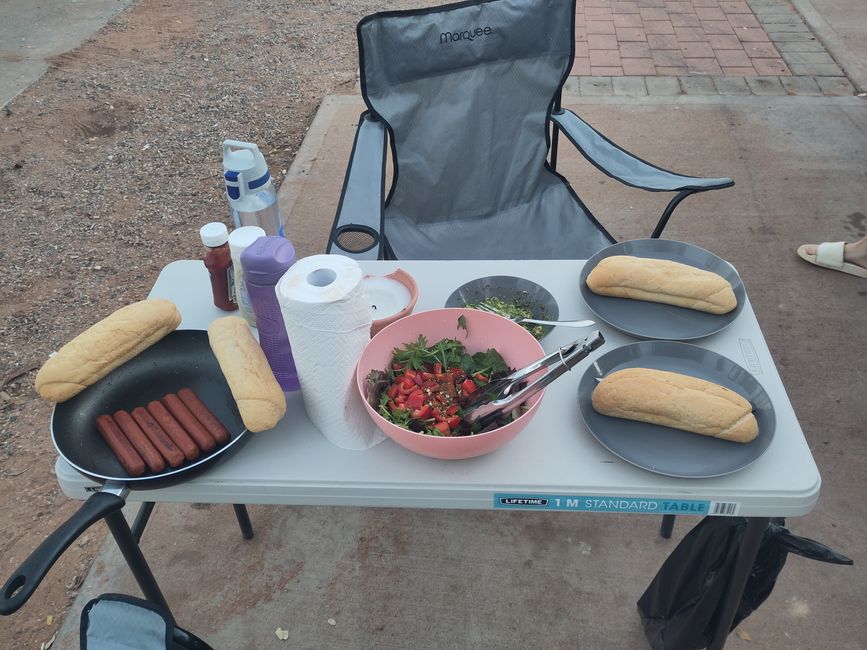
679, 609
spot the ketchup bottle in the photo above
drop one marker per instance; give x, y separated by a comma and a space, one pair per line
218, 261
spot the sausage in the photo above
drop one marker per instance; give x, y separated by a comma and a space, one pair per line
140, 441
158, 437
204, 415
182, 414
120, 446
174, 430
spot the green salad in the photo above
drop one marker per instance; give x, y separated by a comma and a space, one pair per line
426, 387
515, 309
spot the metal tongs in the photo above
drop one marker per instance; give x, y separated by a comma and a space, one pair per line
502, 395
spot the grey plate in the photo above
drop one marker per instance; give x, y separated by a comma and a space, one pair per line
651, 320
668, 451
509, 289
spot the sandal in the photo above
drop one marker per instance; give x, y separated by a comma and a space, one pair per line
829, 255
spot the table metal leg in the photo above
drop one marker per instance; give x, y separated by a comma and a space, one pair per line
243, 520
756, 527
141, 519
667, 526
135, 560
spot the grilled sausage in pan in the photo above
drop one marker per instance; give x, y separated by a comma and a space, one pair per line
125, 452
140, 441
158, 437
182, 414
204, 415
174, 430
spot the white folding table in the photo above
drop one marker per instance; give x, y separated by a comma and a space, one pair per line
554, 464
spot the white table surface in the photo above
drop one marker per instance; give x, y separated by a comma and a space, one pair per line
554, 459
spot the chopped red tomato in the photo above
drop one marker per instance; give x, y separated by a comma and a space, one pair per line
443, 428
424, 413
423, 394
415, 398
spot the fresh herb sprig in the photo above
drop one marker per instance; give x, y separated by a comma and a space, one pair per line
448, 352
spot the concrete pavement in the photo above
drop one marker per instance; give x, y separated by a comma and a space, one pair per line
32, 32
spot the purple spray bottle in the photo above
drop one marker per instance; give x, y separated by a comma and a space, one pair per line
264, 263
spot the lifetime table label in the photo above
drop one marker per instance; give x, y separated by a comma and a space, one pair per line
614, 504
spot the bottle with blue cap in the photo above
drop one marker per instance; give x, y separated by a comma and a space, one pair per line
252, 198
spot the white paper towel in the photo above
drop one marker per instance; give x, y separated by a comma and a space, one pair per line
327, 318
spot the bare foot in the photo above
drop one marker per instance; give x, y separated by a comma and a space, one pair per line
853, 252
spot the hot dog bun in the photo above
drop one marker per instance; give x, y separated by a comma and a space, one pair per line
259, 397
97, 351
674, 400
672, 283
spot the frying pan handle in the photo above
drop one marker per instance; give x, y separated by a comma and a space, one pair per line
26, 579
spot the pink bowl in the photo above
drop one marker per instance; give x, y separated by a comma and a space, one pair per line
409, 282
484, 331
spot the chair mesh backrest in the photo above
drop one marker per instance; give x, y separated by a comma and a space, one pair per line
466, 91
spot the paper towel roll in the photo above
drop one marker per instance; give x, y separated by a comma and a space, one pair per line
327, 318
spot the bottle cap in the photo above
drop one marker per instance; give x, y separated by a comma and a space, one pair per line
243, 237
267, 259
214, 234
244, 168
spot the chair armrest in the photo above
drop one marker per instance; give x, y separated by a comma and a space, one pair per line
625, 167
357, 228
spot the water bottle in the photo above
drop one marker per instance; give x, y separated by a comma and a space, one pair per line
264, 262
252, 199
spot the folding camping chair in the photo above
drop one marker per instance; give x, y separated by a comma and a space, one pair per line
118, 621
468, 95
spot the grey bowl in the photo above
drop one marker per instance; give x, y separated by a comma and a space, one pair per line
509, 288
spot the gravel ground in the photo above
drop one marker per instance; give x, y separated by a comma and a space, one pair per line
108, 166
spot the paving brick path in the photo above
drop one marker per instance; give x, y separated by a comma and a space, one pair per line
666, 37
707, 46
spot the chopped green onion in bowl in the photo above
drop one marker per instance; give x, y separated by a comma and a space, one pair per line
515, 309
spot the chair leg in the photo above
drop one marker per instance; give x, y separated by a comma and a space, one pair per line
243, 520
135, 559
667, 526
188, 640
663, 219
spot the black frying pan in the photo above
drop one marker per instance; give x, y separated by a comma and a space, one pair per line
182, 359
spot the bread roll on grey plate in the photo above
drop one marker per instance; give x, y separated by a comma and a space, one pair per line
98, 350
662, 281
260, 399
675, 400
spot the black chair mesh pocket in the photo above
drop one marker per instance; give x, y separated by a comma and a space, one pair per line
354, 238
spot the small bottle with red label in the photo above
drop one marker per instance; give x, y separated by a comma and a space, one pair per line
218, 261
